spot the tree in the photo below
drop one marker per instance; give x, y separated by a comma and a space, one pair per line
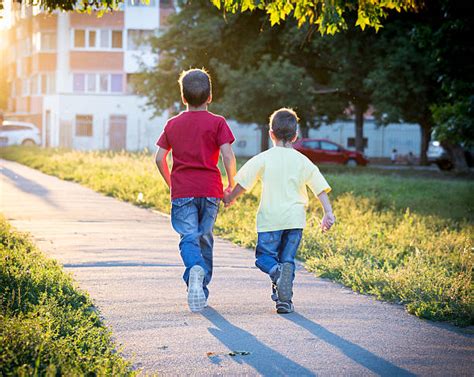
452, 29
329, 16
404, 80
351, 54
339, 65
455, 128
427, 74
250, 78
252, 93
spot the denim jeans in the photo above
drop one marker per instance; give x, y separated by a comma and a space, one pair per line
274, 248
193, 219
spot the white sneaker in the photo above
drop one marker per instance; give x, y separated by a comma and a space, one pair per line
196, 297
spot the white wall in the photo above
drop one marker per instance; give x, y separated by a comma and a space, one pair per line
63, 83
142, 129
133, 59
143, 17
247, 138
381, 140
404, 137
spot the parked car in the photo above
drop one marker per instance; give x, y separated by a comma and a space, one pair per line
439, 156
325, 151
19, 133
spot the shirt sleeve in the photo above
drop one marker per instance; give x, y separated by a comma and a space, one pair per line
315, 180
224, 134
162, 141
250, 173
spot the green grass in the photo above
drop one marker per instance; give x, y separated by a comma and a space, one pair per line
399, 237
47, 326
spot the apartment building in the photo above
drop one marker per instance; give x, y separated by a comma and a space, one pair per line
71, 74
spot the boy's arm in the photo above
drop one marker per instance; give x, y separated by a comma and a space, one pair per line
160, 160
328, 219
230, 164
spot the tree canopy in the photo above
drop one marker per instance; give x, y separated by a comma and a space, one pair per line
329, 16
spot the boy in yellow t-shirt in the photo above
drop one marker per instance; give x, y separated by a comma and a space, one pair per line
281, 217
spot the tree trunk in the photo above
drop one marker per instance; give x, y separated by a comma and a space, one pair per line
457, 156
425, 141
359, 128
265, 138
304, 132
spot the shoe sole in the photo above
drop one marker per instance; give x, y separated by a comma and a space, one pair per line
285, 289
196, 296
285, 311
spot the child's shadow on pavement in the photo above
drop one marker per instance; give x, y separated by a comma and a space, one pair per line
262, 358
269, 362
360, 355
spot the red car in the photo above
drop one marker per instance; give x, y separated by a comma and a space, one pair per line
325, 151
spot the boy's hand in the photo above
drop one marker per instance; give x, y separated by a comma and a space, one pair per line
327, 222
227, 201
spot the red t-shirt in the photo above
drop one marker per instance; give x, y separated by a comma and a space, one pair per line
195, 138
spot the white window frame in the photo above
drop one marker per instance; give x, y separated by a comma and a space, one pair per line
41, 48
97, 90
98, 39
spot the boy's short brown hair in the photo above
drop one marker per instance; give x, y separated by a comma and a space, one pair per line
195, 85
284, 124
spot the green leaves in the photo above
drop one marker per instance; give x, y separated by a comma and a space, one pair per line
328, 15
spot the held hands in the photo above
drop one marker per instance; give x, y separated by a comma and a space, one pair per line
327, 222
227, 197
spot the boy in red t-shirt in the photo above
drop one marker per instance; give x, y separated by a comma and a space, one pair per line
196, 137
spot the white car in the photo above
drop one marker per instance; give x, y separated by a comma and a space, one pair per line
19, 133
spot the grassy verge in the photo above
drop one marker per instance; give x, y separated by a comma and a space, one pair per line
401, 238
47, 326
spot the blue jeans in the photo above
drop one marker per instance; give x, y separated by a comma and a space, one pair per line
274, 248
193, 219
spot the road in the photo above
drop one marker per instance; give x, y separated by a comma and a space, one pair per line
126, 258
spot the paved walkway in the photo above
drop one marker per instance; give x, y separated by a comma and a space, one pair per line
126, 257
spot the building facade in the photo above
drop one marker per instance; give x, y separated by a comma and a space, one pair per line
71, 74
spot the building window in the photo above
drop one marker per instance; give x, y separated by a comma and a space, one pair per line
91, 82
48, 41
104, 83
351, 142
84, 125
48, 83
25, 87
116, 85
138, 39
92, 38
34, 85
79, 82
104, 38
97, 82
79, 38
140, 3
51, 83
117, 39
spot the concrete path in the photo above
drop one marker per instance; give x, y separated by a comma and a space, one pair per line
127, 258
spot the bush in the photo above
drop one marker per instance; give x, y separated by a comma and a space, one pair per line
48, 326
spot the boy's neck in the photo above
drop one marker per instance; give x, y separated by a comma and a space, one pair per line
283, 144
203, 107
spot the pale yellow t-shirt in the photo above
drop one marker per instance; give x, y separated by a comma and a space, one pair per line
284, 173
